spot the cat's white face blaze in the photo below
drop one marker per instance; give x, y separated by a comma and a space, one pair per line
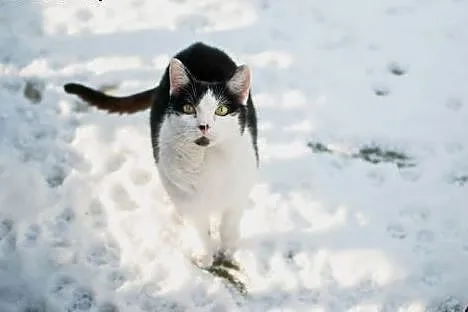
206, 112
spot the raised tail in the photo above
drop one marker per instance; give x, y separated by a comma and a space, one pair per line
122, 105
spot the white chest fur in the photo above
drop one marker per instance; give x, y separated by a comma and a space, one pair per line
204, 179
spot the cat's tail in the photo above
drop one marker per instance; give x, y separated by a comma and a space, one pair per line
122, 105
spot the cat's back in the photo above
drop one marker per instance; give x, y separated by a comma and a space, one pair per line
207, 63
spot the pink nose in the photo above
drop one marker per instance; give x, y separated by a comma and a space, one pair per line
203, 128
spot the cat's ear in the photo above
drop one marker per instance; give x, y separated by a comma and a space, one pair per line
179, 75
239, 84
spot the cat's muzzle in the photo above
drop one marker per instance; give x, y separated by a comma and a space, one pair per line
202, 141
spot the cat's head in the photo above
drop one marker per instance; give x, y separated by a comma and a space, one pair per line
207, 113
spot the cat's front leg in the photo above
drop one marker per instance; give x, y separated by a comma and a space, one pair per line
229, 231
201, 222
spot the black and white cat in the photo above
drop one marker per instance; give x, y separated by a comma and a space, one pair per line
204, 137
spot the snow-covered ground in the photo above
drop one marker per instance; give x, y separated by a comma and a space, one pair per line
85, 224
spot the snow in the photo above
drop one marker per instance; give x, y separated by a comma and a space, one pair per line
85, 224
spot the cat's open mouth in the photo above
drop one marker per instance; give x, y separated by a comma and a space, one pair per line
202, 141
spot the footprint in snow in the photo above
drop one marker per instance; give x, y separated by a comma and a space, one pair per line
103, 254
116, 279
454, 104
82, 299
418, 215
453, 148
83, 15
194, 22
140, 176
6, 226
56, 176
7, 236
35, 307
449, 304
97, 214
397, 69
137, 3
115, 162
426, 236
60, 224
78, 298
432, 273
67, 215
31, 235
397, 231
108, 307
424, 242
9, 243
62, 285
381, 90
394, 68
122, 199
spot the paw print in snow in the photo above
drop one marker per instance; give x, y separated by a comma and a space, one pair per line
115, 163
97, 214
116, 279
103, 254
397, 231
140, 176
108, 307
424, 242
6, 226
381, 90
62, 285
31, 235
397, 69
82, 300
122, 198
7, 235
454, 104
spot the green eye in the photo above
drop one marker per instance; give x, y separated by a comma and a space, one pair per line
222, 110
188, 109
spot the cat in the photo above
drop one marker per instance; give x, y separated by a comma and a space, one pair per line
204, 139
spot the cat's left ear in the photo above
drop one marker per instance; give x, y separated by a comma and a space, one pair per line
239, 84
179, 76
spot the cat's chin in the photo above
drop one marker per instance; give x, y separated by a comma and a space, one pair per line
202, 141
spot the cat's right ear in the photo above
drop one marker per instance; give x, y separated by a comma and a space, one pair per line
239, 84
178, 76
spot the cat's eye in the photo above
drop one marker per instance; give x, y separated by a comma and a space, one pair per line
188, 109
222, 110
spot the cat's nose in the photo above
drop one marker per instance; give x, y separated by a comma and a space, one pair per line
203, 128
